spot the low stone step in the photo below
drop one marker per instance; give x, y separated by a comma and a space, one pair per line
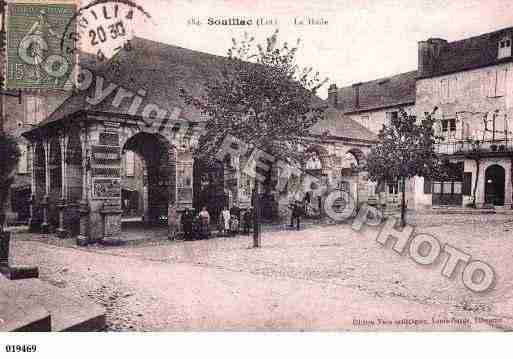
22, 316
19, 272
67, 310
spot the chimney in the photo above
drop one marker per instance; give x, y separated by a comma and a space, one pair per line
356, 95
333, 96
428, 54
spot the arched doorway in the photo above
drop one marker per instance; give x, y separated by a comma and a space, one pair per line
146, 178
348, 180
494, 185
316, 164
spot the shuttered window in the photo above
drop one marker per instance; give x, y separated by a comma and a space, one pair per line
427, 186
467, 184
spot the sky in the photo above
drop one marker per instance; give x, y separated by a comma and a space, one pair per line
363, 40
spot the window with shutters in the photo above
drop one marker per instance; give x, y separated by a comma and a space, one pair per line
35, 111
427, 186
364, 120
467, 184
445, 90
494, 82
504, 47
502, 75
390, 117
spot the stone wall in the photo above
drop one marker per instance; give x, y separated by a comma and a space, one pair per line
374, 120
467, 95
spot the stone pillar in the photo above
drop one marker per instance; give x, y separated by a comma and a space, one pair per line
172, 215
508, 190
480, 192
84, 209
61, 205
45, 227
145, 196
83, 237
111, 212
45, 203
34, 222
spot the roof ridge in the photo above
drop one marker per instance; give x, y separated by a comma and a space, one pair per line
381, 79
165, 44
485, 34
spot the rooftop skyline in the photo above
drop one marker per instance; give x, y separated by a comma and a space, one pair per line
362, 41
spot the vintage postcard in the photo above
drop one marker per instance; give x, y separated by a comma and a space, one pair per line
232, 165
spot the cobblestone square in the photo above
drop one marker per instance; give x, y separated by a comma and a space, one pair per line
325, 277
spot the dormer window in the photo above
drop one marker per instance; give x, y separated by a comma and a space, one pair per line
504, 47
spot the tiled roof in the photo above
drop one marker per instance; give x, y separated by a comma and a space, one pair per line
158, 69
381, 93
336, 124
471, 53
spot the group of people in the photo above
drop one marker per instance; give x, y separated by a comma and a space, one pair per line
230, 222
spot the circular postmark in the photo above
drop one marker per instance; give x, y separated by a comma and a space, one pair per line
103, 28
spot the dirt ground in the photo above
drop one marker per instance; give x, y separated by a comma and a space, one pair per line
319, 278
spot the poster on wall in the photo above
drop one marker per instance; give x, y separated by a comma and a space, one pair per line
106, 188
33, 47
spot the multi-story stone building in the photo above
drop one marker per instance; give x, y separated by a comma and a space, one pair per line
470, 84
374, 104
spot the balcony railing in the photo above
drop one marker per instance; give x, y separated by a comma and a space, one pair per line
463, 147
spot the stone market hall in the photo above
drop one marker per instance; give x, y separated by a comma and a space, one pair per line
94, 164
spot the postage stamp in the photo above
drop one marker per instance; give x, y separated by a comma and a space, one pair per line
33, 38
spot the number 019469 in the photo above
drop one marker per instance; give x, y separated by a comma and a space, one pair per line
21, 348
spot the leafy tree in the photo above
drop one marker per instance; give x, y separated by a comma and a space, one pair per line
9, 153
261, 97
406, 149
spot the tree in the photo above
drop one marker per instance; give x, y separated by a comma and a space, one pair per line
406, 149
262, 98
476, 156
10, 153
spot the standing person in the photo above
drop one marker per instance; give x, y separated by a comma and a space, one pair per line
187, 219
295, 215
235, 215
204, 222
234, 225
248, 216
225, 220
196, 226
